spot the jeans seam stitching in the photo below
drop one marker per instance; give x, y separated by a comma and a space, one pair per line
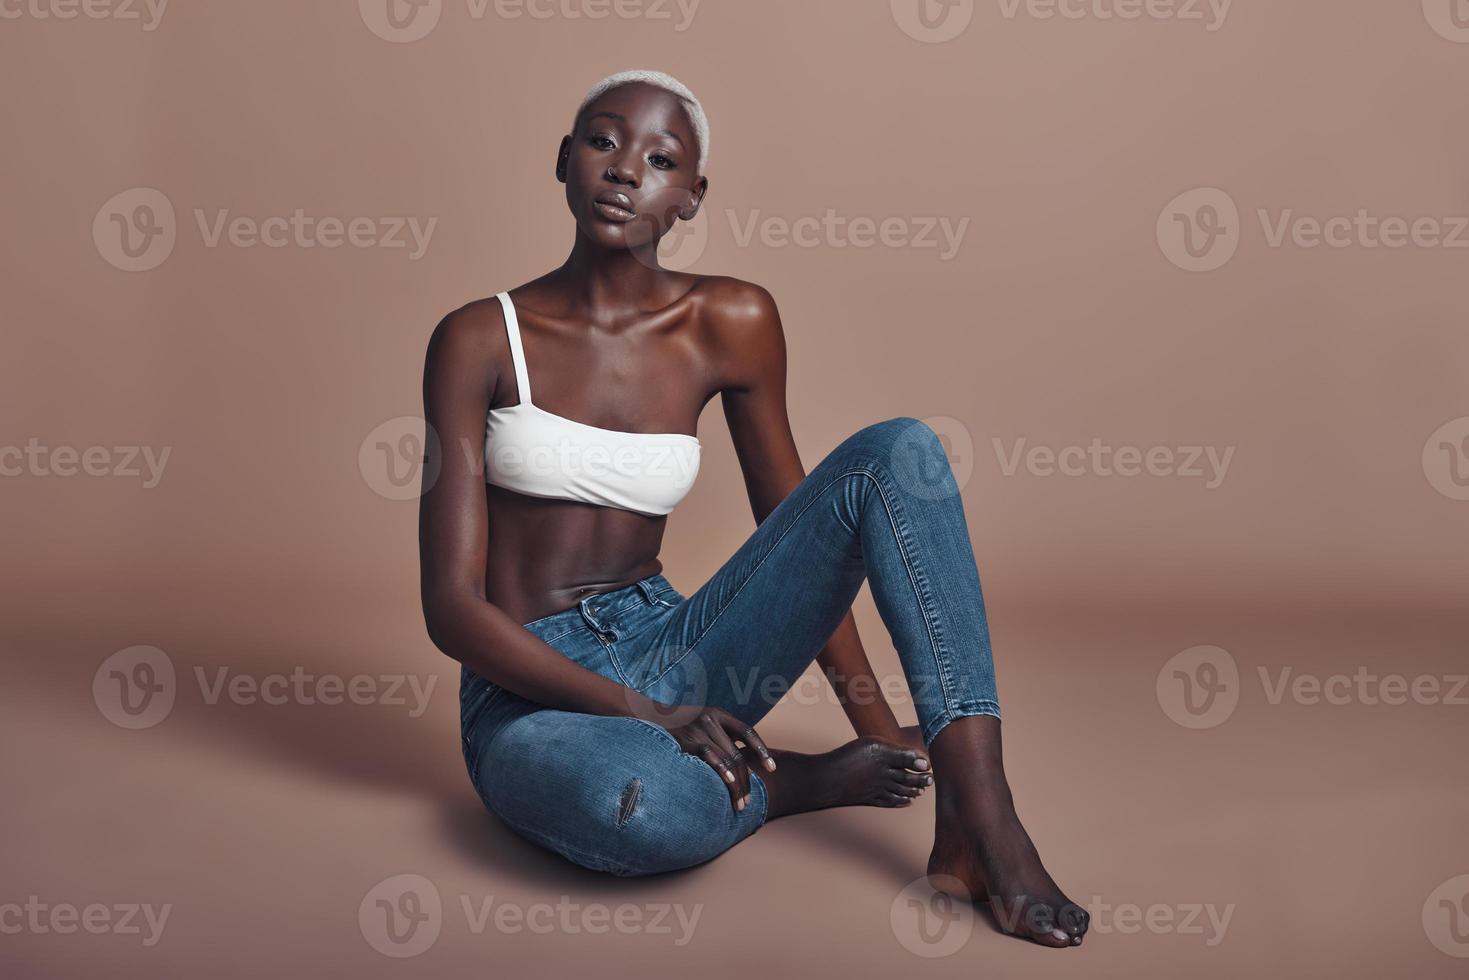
921, 593
857, 470
761, 564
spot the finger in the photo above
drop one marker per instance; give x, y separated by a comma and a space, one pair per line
736, 762
716, 762
748, 735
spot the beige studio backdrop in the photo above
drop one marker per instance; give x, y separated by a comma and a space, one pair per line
1181, 283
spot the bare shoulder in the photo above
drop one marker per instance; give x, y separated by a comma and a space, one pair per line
471, 328
742, 327
468, 347
727, 303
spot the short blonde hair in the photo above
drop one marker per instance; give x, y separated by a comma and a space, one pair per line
661, 80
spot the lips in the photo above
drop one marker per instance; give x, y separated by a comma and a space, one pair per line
614, 206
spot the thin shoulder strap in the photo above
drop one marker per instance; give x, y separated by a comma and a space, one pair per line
517, 352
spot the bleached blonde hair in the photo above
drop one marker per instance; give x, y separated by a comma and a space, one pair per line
661, 80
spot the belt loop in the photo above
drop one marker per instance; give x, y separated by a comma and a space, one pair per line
585, 606
646, 590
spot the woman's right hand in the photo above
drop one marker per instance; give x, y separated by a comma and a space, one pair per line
711, 735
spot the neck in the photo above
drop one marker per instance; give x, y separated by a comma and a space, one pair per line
611, 282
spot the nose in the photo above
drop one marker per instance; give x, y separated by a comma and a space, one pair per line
621, 174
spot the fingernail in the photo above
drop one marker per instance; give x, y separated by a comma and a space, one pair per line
1058, 934
728, 776
770, 765
740, 803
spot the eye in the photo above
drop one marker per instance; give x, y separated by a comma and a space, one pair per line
666, 163
598, 140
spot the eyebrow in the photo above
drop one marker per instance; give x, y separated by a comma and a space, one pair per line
617, 115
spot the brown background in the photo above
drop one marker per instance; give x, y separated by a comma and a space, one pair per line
265, 548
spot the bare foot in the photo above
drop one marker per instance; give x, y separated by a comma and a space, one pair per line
994, 859
980, 846
865, 772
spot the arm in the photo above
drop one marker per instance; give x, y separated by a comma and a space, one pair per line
459, 380
755, 408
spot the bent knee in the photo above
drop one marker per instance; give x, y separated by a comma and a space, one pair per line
882, 441
625, 800
675, 819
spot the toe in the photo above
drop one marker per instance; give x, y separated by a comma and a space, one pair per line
910, 792
1073, 920
920, 780
909, 759
1040, 923
894, 800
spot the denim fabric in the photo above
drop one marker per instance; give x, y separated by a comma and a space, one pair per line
616, 793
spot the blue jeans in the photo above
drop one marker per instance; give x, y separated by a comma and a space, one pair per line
617, 794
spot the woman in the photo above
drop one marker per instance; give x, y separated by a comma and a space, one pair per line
606, 715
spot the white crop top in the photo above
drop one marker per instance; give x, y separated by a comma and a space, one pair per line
532, 451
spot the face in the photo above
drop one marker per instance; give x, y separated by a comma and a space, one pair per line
629, 168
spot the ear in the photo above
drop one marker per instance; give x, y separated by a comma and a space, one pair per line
563, 155
700, 186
